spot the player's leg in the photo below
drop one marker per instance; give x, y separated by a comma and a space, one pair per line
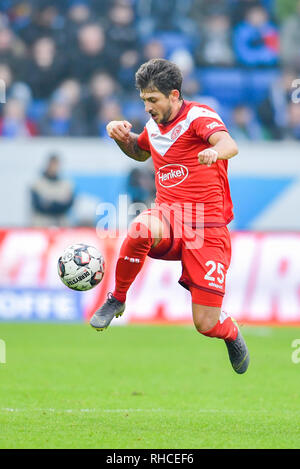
211, 321
204, 273
146, 232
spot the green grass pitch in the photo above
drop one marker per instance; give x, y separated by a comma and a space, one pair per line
158, 387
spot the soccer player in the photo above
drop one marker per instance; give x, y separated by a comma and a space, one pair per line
190, 147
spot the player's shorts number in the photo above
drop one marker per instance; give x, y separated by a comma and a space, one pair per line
215, 267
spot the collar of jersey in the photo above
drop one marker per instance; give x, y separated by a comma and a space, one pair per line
164, 128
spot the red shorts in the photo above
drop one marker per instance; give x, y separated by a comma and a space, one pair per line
204, 253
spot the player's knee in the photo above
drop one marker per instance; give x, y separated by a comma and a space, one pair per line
140, 230
205, 317
147, 226
204, 325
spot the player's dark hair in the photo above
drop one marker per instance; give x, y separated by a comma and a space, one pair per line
160, 74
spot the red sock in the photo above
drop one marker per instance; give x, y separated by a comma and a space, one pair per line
224, 329
131, 258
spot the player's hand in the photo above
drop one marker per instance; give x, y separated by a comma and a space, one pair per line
119, 130
208, 156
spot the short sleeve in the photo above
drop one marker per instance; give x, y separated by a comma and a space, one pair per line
143, 141
208, 123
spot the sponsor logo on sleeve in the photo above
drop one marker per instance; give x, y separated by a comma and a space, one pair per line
213, 125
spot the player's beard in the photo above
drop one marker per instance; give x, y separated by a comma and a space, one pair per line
166, 116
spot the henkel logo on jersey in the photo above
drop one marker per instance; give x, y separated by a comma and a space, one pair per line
171, 175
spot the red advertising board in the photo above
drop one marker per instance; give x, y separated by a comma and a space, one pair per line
263, 284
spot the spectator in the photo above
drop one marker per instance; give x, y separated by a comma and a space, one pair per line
290, 40
11, 89
122, 37
273, 111
238, 8
153, 49
110, 110
46, 69
191, 89
6, 75
20, 14
245, 125
54, 50
70, 90
191, 84
60, 122
22, 93
121, 31
46, 21
215, 47
51, 196
166, 15
184, 60
78, 14
102, 87
256, 40
12, 49
141, 185
92, 54
14, 123
201, 9
129, 63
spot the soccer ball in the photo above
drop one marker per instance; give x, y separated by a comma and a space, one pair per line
81, 267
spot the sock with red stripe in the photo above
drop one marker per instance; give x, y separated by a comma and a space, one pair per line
131, 259
224, 329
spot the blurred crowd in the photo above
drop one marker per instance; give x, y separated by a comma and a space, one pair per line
68, 66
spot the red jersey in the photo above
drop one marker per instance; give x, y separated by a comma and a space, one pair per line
179, 177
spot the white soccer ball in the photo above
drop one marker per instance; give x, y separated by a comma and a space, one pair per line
81, 267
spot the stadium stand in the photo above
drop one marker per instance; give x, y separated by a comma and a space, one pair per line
67, 62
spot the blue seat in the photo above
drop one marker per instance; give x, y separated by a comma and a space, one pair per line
173, 41
258, 83
226, 112
226, 84
37, 110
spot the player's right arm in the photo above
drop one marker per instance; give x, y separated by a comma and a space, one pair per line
120, 131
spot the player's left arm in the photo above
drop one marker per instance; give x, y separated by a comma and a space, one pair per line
223, 148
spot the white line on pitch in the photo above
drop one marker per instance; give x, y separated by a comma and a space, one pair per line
201, 411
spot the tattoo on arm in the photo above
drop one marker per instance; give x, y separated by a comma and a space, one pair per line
132, 149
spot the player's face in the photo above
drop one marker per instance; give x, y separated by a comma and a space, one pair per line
159, 106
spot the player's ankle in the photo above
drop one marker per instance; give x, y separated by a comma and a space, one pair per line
226, 330
121, 297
